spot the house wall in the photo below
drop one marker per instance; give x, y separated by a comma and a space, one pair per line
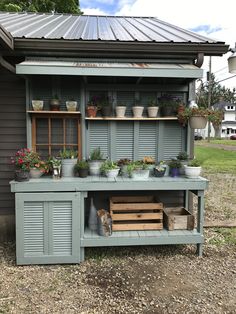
12, 137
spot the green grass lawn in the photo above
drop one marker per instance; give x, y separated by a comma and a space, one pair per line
216, 159
225, 142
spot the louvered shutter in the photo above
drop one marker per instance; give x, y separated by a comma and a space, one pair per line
99, 136
48, 228
148, 139
124, 140
173, 140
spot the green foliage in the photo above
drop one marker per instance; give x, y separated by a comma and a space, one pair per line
217, 91
174, 163
58, 6
136, 165
82, 164
194, 163
96, 154
108, 165
223, 236
182, 156
169, 101
216, 160
68, 154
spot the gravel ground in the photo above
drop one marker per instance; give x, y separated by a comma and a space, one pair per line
159, 279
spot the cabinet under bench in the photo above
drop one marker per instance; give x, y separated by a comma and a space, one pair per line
51, 216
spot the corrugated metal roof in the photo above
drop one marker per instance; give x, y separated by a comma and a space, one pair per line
93, 28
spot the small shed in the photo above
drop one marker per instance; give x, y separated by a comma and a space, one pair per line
123, 59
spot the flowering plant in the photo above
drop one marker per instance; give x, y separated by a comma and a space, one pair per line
22, 159
25, 159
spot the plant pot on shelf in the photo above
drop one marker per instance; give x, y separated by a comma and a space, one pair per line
137, 111
120, 111
21, 175
106, 111
192, 172
140, 174
37, 105
68, 167
35, 173
94, 167
91, 111
112, 173
55, 104
152, 111
174, 172
83, 173
71, 105
168, 111
197, 122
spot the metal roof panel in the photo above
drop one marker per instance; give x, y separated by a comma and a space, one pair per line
93, 28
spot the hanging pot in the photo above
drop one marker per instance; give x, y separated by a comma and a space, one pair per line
197, 122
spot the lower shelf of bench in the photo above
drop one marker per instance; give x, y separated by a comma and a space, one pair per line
155, 237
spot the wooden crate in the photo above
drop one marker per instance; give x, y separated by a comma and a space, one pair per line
136, 213
176, 218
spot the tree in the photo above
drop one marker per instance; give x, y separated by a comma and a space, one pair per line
58, 6
218, 93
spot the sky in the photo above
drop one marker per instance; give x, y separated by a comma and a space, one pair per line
214, 19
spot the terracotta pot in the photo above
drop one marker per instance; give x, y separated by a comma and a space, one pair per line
55, 105
91, 111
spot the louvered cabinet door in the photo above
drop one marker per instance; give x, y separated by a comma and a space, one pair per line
48, 228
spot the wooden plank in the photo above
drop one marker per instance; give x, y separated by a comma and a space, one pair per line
136, 216
136, 206
125, 227
131, 199
220, 224
131, 118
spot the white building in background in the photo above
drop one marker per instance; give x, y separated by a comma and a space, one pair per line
229, 122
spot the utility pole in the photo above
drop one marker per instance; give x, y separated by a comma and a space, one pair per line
209, 97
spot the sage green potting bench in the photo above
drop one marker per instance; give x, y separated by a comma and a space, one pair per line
50, 217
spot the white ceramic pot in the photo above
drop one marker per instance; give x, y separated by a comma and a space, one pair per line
71, 105
35, 173
192, 172
37, 105
140, 174
152, 111
120, 111
137, 111
112, 173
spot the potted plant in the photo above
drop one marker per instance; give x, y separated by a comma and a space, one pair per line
105, 106
168, 105
150, 161
193, 169
183, 157
56, 167
174, 165
92, 108
69, 159
38, 167
152, 109
37, 104
138, 170
21, 161
82, 168
197, 117
55, 103
71, 104
123, 164
137, 109
109, 169
160, 169
120, 111
95, 161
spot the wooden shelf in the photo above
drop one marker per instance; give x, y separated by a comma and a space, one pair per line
131, 118
54, 112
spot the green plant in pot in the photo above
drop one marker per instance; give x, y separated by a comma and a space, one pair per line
168, 105
183, 157
138, 170
123, 164
95, 161
105, 106
69, 159
152, 108
174, 165
82, 168
110, 169
160, 169
71, 104
193, 168
55, 103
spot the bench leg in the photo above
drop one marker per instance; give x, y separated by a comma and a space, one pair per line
199, 249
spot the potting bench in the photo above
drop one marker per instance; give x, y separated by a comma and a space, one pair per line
50, 217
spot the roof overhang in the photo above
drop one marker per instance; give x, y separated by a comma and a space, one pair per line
45, 67
6, 40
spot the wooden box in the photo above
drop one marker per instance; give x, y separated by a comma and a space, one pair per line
136, 213
178, 218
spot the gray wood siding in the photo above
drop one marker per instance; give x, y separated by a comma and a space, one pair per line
12, 132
